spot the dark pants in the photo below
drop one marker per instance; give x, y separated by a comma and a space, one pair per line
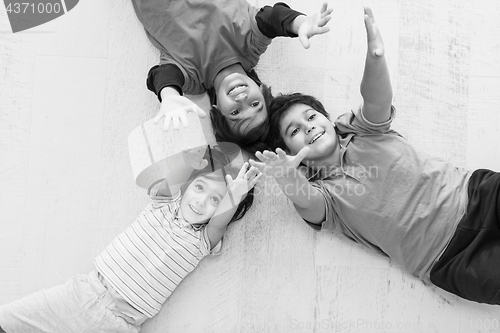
470, 265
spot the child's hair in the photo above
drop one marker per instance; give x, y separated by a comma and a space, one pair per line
278, 109
218, 158
253, 140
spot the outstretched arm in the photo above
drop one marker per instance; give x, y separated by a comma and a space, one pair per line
376, 86
175, 108
166, 82
237, 189
308, 201
281, 20
311, 25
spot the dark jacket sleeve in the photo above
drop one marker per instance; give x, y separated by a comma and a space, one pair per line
161, 76
274, 21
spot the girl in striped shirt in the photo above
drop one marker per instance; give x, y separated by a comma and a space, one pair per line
137, 272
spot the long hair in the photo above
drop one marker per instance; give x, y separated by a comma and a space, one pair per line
218, 158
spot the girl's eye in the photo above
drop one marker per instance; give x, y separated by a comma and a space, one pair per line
198, 187
235, 112
255, 104
311, 117
295, 131
215, 200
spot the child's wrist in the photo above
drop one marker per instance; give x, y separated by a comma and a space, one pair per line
286, 172
236, 196
168, 91
296, 23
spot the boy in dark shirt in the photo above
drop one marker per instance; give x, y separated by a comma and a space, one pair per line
213, 46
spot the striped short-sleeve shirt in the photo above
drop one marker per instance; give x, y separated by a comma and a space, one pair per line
147, 261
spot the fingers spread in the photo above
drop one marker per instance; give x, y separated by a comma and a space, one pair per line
243, 170
254, 181
270, 155
260, 156
324, 21
281, 153
324, 7
259, 165
252, 172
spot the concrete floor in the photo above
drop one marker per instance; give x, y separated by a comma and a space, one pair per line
73, 89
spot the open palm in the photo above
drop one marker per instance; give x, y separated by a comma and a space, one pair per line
279, 164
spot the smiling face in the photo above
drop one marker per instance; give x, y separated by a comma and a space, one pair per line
241, 102
201, 198
303, 126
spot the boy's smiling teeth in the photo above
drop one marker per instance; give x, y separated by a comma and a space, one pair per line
239, 88
316, 137
194, 209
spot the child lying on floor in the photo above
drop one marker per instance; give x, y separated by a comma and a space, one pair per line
439, 222
213, 46
142, 266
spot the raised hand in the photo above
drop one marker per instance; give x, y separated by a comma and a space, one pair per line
175, 110
244, 182
375, 86
279, 164
314, 25
375, 42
